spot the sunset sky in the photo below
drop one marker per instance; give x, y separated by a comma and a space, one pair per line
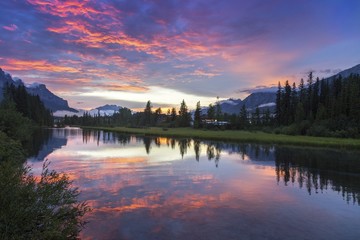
126, 52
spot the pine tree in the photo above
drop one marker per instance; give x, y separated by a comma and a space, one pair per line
293, 102
286, 103
243, 118
184, 116
279, 107
197, 116
211, 112
147, 114
218, 113
173, 114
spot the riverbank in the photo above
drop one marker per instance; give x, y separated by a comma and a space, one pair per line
239, 136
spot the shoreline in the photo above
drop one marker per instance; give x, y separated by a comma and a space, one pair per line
238, 136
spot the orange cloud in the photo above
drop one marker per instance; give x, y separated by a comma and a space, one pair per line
65, 8
40, 65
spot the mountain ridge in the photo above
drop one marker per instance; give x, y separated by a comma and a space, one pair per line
50, 100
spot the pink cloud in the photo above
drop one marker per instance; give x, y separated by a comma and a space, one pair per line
39, 65
11, 27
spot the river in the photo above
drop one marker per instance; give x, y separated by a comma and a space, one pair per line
163, 188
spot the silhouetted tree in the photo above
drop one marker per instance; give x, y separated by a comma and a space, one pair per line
197, 116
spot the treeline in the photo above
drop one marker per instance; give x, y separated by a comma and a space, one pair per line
329, 108
28, 105
211, 118
147, 118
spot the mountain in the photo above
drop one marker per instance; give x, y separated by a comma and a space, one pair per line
346, 73
106, 110
5, 78
262, 100
50, 100
231, 106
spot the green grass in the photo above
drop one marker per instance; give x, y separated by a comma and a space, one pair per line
240, 136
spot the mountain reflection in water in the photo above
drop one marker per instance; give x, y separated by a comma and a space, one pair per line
165, 188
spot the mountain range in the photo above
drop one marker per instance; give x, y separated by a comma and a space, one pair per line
60, 107
50, 100
106, 110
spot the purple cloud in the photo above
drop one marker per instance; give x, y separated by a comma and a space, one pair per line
11, 27
199, 47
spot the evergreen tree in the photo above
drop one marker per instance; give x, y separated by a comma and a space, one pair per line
286, 104
157, 115
147, 114
302, 91
197, 116
243, 118
218, 113
173, 114
256, 119
211, 112
279, 105
293, 102
184, 116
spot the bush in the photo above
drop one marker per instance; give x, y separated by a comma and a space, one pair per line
14, 125
293, 129
318, 131
10, 149
44, 209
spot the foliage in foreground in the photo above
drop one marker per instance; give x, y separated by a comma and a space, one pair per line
30, 207
38, 209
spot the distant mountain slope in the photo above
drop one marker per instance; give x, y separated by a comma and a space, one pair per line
346, 73
50, 100
231, 106
263, 100
106, 110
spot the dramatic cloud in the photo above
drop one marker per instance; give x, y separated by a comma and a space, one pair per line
199, 48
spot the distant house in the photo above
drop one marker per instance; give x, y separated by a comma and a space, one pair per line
214, 122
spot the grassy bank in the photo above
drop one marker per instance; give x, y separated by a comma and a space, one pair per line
240, 136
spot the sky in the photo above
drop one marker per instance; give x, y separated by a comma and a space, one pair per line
127, 52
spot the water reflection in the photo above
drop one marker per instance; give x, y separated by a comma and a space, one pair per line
164, 188
44, 142
317, 170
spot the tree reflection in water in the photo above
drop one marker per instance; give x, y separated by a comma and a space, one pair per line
317, 170
310, 168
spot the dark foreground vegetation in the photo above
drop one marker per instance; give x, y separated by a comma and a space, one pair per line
31, 207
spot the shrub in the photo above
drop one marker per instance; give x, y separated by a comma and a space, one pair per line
318, 131
43, 209
10, 149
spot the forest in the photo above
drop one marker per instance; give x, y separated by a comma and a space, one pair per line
328, 108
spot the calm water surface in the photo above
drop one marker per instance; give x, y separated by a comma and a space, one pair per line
161, 188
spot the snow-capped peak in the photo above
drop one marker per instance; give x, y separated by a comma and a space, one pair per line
34, 85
